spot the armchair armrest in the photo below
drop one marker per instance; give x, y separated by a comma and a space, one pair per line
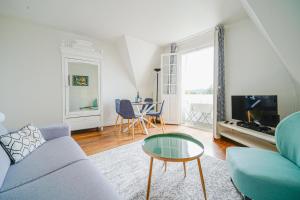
55, 131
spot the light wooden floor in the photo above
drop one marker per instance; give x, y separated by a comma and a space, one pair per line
97, 141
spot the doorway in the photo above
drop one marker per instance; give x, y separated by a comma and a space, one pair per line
197, 70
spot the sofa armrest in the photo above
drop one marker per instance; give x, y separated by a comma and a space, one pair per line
55, 131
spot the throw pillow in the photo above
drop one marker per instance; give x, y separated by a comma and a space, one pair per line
20, 143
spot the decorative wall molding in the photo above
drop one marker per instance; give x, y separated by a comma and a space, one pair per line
87, 49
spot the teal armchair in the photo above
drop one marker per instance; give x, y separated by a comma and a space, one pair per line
266, 175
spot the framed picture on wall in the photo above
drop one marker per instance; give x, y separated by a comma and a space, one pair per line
78, 80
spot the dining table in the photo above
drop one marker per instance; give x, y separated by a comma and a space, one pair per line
142, 108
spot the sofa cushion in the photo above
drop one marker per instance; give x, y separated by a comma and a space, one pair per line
78, 181
52, 155
262, 174
55, 131
21, 143
4, 159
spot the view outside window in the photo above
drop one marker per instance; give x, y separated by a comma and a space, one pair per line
197, 88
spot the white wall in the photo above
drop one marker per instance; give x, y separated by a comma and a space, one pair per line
279, 23
253, 68
31, 77
144, 58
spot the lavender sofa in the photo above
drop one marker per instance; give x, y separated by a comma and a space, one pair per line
58, 169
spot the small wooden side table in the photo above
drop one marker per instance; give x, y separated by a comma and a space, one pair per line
173, 147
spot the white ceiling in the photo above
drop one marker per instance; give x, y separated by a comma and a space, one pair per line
157, 21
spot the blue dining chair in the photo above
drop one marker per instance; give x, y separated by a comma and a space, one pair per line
146, 106
117, 107
153, 115
127, 112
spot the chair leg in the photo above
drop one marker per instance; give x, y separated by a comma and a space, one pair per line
149, 120
116, 124
121, 124
132, 129
140, 125
128, 124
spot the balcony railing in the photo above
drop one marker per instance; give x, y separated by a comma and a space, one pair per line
197, 110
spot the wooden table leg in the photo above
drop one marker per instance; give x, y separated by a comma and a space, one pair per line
201, 178
149, 178
184, 167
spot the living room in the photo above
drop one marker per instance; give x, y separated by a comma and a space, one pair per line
140, 99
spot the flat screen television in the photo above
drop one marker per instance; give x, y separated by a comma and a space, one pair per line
259, 109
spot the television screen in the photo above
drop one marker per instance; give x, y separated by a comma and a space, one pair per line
262, 109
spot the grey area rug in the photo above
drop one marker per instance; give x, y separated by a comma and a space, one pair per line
127, 168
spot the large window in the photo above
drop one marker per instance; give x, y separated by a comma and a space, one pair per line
197, 87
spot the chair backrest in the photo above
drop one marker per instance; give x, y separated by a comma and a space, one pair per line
126, 109
161, 107
287, 136
148, 100
117, 105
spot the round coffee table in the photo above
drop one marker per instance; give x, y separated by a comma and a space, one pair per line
173, 147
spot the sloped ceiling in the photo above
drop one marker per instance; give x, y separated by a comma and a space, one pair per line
124, 53
279, 22
140, 58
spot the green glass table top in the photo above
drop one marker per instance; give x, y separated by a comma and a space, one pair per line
173, 146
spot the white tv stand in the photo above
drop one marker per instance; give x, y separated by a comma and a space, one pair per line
246, 136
